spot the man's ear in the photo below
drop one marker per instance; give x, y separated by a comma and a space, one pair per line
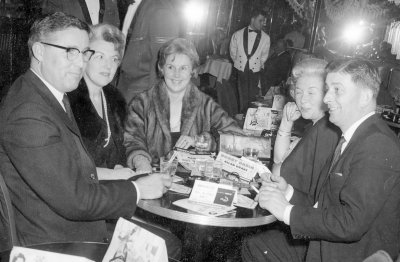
366, 96
38, 51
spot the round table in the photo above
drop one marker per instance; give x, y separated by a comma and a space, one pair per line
242, 217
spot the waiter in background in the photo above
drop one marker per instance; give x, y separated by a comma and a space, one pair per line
249, 50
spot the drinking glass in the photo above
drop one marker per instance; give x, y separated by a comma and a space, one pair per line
200, 165
250, 153
168, 167
201, 143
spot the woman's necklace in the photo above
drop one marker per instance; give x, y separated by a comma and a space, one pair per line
105, 115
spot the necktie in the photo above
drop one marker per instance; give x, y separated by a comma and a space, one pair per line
337, 153
67, 106
251, 30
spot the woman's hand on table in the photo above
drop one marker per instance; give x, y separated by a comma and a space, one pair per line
185, 142
153, 186
143, 165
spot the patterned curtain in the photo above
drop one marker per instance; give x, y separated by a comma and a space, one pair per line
338, 10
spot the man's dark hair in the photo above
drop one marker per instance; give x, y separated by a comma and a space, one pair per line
256, 12
362, 72
52, 23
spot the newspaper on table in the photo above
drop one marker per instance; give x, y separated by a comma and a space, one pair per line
35, 255
209, 199
132, 243
187, 159
247, 169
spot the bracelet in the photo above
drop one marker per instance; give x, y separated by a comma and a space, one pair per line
283, 133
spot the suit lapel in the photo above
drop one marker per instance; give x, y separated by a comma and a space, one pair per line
85, 11
49, 98
256, 43
246, 41
357, 137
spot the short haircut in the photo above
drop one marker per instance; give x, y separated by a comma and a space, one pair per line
256, 12
52, 23
178, 46
362, 72
109, 33
309, 67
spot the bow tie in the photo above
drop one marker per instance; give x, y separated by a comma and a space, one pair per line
255, 31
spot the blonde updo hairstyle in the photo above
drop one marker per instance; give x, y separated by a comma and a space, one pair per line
307, 67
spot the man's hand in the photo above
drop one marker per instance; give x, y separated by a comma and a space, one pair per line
273, 199
153, 186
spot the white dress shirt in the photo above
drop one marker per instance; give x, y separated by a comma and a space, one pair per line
94, 9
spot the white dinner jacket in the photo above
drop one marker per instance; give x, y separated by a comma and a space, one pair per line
238, 54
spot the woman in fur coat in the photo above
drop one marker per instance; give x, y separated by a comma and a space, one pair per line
172, 112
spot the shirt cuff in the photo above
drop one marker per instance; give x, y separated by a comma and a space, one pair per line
286, 214
137, 192
289, 193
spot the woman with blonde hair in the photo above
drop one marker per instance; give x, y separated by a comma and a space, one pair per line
302, 161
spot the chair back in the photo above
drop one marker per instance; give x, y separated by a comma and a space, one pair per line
8, 234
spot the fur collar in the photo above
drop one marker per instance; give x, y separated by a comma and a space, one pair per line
191, 102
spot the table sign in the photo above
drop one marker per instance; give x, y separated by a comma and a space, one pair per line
209, 199
132, 243
247, 169
241, 166
34, 255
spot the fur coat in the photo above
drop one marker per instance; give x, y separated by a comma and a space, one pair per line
147, 130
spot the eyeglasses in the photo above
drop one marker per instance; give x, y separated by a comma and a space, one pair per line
72, 52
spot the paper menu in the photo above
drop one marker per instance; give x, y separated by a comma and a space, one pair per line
212, 193
209, 199
131, 243
204, 209
34, 255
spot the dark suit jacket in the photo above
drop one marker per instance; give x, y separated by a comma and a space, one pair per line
108, 12
359, 203
302, 168
51, 178
155, 23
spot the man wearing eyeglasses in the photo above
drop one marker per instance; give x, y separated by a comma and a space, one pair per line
51, 178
